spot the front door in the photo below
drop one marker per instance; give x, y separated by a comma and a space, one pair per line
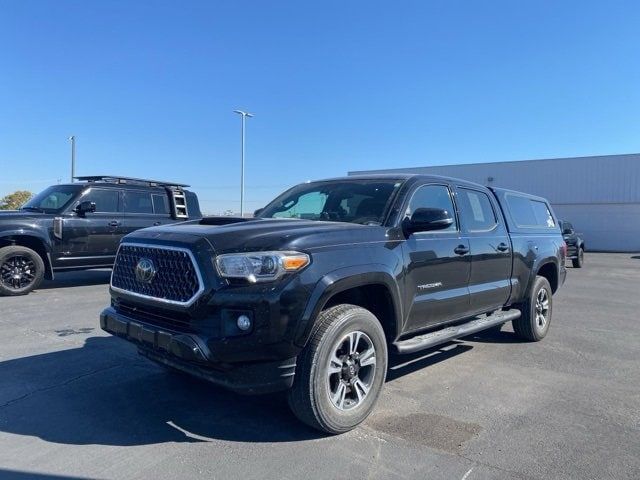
437, 265
91, 239
482, 225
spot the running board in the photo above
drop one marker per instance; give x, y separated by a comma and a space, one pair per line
438, 337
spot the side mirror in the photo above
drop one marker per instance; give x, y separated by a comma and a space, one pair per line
428, 219
85, 207
258, 212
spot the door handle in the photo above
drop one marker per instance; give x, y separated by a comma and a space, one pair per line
114, 223
156, 224
503, 247
461, 250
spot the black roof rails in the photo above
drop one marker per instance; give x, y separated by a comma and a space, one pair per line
119, 179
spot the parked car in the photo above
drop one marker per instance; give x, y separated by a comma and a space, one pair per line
312, 294
79, 226
575, 244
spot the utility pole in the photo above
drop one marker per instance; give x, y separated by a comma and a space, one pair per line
244, 116
73, 157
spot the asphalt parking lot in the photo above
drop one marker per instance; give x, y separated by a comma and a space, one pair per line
76, 403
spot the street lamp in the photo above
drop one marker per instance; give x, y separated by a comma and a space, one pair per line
244, 116
73, 157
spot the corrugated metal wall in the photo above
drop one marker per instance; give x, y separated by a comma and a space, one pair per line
600, 195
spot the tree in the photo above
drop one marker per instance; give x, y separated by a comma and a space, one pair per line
15, 200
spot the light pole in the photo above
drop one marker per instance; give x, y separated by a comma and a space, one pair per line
244, 116
73, 157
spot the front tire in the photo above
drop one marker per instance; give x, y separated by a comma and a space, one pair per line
579, 260
21, 270
534, 322
341, 371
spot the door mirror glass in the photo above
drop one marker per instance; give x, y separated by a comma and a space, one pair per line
429, 219
85, 207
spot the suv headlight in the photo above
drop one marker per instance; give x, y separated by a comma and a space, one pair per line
260, 266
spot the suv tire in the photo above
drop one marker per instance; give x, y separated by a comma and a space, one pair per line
341, 370
579, 260
21, 270
534, 322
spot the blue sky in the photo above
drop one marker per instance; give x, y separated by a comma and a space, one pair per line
148, 88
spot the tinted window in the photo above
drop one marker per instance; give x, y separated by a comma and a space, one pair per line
476, 210
527, 212
433, 196
160, 204
107, 201
355, 201
139, 202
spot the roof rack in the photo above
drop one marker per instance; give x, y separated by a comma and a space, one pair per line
135, 181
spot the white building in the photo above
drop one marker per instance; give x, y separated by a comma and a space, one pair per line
599, 195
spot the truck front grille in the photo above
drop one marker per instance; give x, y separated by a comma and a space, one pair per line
165, 274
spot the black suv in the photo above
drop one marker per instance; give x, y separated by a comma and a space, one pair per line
79, 226
311, 295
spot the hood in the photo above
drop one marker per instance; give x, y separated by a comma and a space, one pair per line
228, 234
18, 214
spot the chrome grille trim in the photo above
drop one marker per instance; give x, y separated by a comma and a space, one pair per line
192, 258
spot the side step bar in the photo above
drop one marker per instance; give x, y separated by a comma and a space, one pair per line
431, 339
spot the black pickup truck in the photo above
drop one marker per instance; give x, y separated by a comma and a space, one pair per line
575, 244
79, 226
311, 294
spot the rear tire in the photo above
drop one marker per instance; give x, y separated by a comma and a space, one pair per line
21, 270
341, 371
534, 322
579, 260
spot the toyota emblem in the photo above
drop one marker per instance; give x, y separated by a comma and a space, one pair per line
145, 270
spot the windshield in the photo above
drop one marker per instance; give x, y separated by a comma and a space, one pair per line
354, 201
52, 199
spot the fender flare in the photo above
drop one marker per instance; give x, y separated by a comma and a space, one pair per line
536, 268
341, 280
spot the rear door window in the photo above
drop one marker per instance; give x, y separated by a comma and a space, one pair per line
476, 210
138, 202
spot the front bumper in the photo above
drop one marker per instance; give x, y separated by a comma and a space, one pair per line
190, 353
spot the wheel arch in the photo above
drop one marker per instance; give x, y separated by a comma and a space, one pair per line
377, 291
549, 270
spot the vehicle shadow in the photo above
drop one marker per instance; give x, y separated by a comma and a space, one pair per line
17, 475
103, 393
401, 365
77, 279
494, 335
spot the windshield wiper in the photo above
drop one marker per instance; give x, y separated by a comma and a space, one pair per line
35, 209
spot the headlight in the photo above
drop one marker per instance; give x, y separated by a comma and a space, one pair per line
260, 266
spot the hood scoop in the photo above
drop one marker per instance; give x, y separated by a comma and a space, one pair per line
223, 220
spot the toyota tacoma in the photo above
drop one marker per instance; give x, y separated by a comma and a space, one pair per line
312, 294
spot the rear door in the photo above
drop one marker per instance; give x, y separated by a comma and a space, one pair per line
491, 261
145, 208
437, 265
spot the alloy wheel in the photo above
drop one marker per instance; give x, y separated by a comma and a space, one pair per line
17, 272
351, 370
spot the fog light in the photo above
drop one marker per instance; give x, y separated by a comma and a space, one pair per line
244, 323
